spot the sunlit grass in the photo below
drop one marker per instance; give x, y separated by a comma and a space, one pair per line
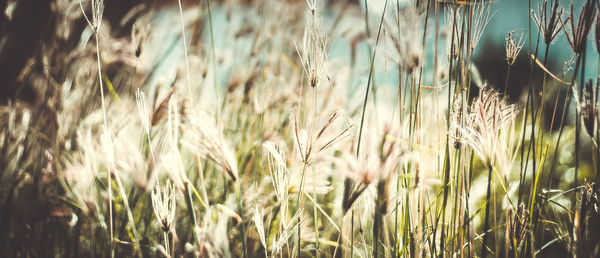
302, 129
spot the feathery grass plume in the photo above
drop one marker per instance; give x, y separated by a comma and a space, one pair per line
578, 32
314, 46
549, 24
203, 137
507, 151
286, 182
360, 174
405, 31
164, 202
481, 18
513, 47
488, 114
307, 144
589, 107
97, 12
370, 168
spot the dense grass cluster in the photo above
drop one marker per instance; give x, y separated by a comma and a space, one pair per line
298, 129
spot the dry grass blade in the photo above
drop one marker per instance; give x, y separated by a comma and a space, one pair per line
541, 65
204, 137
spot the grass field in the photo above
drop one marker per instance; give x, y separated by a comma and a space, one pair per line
298, 128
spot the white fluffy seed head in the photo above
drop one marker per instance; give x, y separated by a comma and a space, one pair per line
481, 17
314, 46
513, 46
488, 114
164, 203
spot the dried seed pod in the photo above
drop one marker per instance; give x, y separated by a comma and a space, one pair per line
549, 24
513, 47
578, 32
488, 114
589, 107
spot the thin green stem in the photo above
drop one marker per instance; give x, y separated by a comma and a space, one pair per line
185, 52
507, 79
364, 107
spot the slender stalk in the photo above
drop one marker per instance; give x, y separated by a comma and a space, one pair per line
190, 208
110, 215
316, 220
352, 233
379, 212
362, 118
578, 121
185, 51
166, 240
539, 110
561, 123
596, 151
486, 226
507, 79
214, 59
110, 197
396, 237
